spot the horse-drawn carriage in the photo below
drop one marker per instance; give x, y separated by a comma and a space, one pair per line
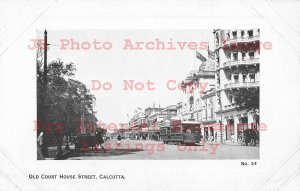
86, 141
250, 137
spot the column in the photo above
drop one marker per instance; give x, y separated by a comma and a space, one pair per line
224, 123
240, 77
250, 119
202, 133
235, 123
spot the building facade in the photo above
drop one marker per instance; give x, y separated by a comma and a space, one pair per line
196, 83
210, 125
237, 56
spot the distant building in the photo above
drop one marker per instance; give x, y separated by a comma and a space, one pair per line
195, 84
148, 122
199, 99
137, 122
209, 118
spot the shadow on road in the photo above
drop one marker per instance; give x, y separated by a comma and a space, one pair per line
108, 153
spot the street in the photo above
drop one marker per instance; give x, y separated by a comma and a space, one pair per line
148, 149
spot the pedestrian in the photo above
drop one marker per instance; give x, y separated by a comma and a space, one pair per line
119, 139
232, 138
40, 147
100, 140
40, 139
211, 138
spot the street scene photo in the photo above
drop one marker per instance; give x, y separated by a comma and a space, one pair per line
148, 94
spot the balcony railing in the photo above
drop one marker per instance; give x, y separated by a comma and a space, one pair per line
240, 40
242, 85
241, 62
230, 106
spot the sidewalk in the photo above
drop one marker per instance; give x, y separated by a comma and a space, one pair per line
52, 151
231, 143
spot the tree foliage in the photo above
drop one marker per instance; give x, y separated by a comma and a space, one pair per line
247, 98
65, 101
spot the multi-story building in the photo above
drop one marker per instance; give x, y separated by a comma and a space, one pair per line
137, 122
146, 123
149, 111
195, 84
209, 119
237, 67
199, 100
158, 117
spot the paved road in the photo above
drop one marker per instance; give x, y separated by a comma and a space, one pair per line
147, 149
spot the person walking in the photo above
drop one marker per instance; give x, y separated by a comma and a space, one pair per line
40, 146
100, 140
119, 139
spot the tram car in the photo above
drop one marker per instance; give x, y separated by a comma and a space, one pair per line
181, 132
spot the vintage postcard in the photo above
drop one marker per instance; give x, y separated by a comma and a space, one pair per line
149, 95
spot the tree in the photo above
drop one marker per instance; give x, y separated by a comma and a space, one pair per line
63, 101
247, 98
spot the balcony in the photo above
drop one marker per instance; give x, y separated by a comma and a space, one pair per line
240, 40
229, 107
247, 62
241, 85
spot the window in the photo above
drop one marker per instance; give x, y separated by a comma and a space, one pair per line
235, 56
229, 56
250, 33
251, 55
242, 34
236, 78
243, 56
252, 77
234, 34
230, 99
244, 77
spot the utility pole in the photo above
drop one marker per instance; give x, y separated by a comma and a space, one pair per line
83, 106
45, 60
44, 107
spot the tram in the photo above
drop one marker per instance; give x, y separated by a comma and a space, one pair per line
181, 132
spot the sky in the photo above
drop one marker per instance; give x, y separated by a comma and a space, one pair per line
115, 64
